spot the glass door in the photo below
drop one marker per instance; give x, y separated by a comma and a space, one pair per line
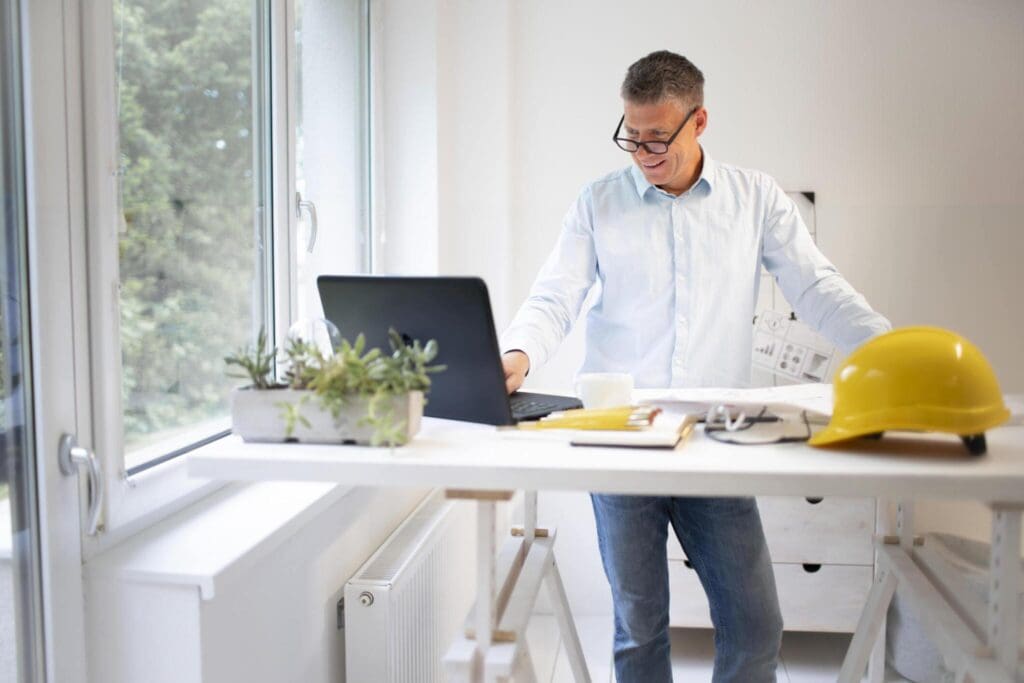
20, 593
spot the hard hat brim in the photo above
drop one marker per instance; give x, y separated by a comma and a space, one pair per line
832, 435
837, 432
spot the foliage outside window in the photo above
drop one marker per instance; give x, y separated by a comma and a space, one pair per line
189, 253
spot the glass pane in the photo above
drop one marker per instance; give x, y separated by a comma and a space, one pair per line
331, 136
189, 87
20, 627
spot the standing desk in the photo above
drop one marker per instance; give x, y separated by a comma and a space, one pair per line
467, 457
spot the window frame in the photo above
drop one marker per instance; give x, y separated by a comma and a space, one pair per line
136, 501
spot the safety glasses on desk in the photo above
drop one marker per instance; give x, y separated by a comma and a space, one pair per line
721, 426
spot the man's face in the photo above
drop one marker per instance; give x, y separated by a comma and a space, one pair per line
677, 169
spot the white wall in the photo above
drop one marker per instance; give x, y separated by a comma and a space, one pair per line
475, 144
405, 129
904, 118
442, 84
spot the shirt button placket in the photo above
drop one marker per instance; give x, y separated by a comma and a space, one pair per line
681, 282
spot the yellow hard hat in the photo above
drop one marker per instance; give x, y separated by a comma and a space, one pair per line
917, 379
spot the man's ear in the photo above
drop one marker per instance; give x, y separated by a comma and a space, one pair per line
701, 121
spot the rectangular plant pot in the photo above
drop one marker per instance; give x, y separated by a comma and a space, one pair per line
260, 415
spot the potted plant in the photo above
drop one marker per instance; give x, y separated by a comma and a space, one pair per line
352, 395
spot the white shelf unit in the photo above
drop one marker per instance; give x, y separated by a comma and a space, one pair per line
821, 551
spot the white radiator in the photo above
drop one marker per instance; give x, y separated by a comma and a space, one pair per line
403, 607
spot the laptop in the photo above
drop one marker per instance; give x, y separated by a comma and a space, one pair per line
456, 311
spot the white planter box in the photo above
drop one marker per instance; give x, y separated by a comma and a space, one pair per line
260, 416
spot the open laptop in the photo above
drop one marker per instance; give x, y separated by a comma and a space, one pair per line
455, 311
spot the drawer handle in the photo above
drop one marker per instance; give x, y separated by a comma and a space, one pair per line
811, 568
814, 500
688, 564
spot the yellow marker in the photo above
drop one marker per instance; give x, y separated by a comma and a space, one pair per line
622, 418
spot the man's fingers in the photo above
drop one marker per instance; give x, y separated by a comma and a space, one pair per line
513, 381
515, 365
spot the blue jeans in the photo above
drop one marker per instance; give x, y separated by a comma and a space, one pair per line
724, 541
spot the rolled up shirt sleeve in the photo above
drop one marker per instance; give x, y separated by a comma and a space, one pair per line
557, 295
818, 293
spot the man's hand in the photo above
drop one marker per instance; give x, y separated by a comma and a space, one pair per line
516, 364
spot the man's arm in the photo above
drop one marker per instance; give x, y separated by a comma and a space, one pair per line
555, 298
820, 296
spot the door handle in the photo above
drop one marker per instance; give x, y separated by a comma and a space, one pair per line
73, 457
309, 206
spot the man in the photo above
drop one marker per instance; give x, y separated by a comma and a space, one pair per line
676, 241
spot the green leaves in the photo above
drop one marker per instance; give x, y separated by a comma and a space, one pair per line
255, 362
352, 371
292, 417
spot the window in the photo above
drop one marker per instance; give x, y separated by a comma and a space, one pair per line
193, 277
216, 115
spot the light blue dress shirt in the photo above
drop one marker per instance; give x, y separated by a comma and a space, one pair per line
678, 279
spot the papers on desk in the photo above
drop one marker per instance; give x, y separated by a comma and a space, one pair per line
816, 399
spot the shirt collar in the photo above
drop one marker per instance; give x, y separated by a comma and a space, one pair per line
707, 176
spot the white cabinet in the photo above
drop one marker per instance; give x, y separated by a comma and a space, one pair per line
822, 554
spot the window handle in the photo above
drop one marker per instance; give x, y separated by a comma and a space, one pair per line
309, 206
71, 458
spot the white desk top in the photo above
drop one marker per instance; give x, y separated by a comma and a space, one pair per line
462, 455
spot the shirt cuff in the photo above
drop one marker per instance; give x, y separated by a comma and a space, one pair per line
511, 342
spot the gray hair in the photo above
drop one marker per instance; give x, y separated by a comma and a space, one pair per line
661, 75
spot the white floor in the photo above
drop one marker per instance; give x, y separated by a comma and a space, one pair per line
805, 658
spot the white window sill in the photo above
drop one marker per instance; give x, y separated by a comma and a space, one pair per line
226, 531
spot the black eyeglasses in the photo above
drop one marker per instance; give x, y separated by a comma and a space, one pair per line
652, 146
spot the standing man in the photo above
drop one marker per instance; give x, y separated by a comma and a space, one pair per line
676, 241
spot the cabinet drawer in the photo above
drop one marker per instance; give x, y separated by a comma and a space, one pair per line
827, 599
818, 530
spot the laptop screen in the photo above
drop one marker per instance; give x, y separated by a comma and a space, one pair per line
455, 311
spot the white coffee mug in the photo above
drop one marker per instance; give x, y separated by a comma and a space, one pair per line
605, 389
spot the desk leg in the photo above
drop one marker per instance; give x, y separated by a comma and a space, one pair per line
883, 527
525, 673
869, 628
566, 625
1004, 627
529, 517
485, 581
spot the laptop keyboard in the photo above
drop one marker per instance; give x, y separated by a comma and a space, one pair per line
527, 406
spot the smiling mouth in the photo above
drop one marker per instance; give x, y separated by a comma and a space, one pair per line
654, 165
